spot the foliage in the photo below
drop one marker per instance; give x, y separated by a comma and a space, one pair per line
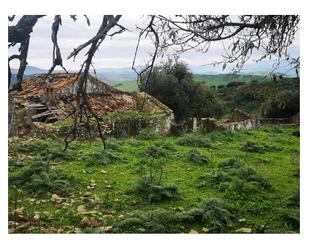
194, 140
263, 97
172, 83
212, 213
147, 134
251, 146
196, 157
156, 221
102, 157
38, 178
155, 193
47, 149
230, 175
230, 163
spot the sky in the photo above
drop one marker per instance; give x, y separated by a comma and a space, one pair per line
115, 52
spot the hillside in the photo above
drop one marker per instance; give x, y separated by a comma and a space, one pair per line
223, 79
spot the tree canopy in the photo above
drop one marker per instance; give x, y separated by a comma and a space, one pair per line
172, 83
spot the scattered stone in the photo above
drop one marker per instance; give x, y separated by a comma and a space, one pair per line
77, 230
193, 232
103, 172
241, 220
108, 186
108, 229
19, 210
46, 213
244, 230
96, 200
87, 194
36, 217
23, 226
82, 210
57, 199
85, 222
205, 230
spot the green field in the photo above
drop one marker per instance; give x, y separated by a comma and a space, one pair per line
223, 79
211, 80
218, 182
128, 85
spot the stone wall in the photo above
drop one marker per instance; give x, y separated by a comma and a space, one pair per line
116, 127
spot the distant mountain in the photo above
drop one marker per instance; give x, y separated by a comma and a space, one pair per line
30, 70
117, 74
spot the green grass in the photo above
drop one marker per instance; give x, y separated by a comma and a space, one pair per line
102, 184
224, 79
125, 85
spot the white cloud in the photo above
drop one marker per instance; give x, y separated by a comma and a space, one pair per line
114, 52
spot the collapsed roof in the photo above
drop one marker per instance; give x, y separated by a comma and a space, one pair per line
58, 102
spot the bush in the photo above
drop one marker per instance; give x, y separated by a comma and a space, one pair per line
294, 199
165, 146
156, 221
250, 146
291, 218
212, 213
154, 152
102, 157
196, 157
193, 140
216, 179
113, 144
38, 178
147, 134
231, 163
47, 149
296, 133
242, 187
155, 193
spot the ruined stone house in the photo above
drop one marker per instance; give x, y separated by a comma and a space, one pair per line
40, 105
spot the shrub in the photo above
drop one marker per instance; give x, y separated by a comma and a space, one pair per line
230, 164
212, 213
296, 133
47, 149
155, 193
156, 221
248, 174
154, 152
194, 141
113, 144
291, 218
294, 199
250, 146
38, 178
102, 157
216, 179
147, 134
196, 157
242, 187
165, 146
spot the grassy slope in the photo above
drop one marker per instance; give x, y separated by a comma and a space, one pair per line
128, 85
212, 80
278, 167
223, 79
